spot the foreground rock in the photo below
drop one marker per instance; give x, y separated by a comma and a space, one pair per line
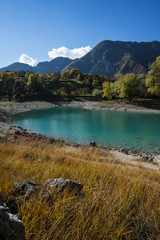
11, 228
60, 184
23, 192
20, 193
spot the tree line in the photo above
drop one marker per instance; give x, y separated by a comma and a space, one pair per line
23, 85
130, 85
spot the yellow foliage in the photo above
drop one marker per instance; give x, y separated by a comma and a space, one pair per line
107, 90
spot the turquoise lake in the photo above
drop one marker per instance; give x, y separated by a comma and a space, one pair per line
136, 131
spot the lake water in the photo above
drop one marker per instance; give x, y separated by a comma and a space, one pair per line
137, 131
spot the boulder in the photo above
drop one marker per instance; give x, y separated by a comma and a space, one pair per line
22, 191
25, 190
60, 184
11, 228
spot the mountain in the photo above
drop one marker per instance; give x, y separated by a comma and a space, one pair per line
17, 66
54, 66
108, 57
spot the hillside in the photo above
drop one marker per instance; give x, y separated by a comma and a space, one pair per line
119, 200
54, 66
108, 57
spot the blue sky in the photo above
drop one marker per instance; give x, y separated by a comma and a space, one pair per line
35, 27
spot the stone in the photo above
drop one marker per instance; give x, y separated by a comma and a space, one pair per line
124, 150
11, 228
92, 144
51, 140
17, 132
60, 184
26, 190
22, 191
13, 204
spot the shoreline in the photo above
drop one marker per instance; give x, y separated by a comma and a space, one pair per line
91, 105
8, 128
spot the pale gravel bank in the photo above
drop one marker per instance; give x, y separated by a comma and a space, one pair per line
114, 106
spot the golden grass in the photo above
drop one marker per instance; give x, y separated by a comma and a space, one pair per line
119, 202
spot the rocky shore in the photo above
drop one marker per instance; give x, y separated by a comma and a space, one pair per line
8, 130
13, 108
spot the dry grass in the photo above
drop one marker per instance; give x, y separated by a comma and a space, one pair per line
119, 202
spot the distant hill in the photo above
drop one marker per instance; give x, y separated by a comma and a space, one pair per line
17, 66
108, 57
54, 66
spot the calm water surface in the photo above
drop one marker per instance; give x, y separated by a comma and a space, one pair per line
138, 131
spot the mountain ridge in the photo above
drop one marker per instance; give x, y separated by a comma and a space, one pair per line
53, 66
106, 58
109, 57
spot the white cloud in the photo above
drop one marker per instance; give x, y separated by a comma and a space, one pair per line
28, 60
65, 52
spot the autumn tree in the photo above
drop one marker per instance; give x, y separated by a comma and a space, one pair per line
126, 86
108, 90
35, 83
7, 83
63, 91
153, 78
74, 74
97, 93
97, 82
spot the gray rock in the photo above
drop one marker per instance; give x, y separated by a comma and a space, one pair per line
124, 150
92, 144
17, 132
17, 225
22, 191
26, 190
60, 184
11, 228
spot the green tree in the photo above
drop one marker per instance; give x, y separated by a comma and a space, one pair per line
126, 86
153, 78
142, 85
97, 93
